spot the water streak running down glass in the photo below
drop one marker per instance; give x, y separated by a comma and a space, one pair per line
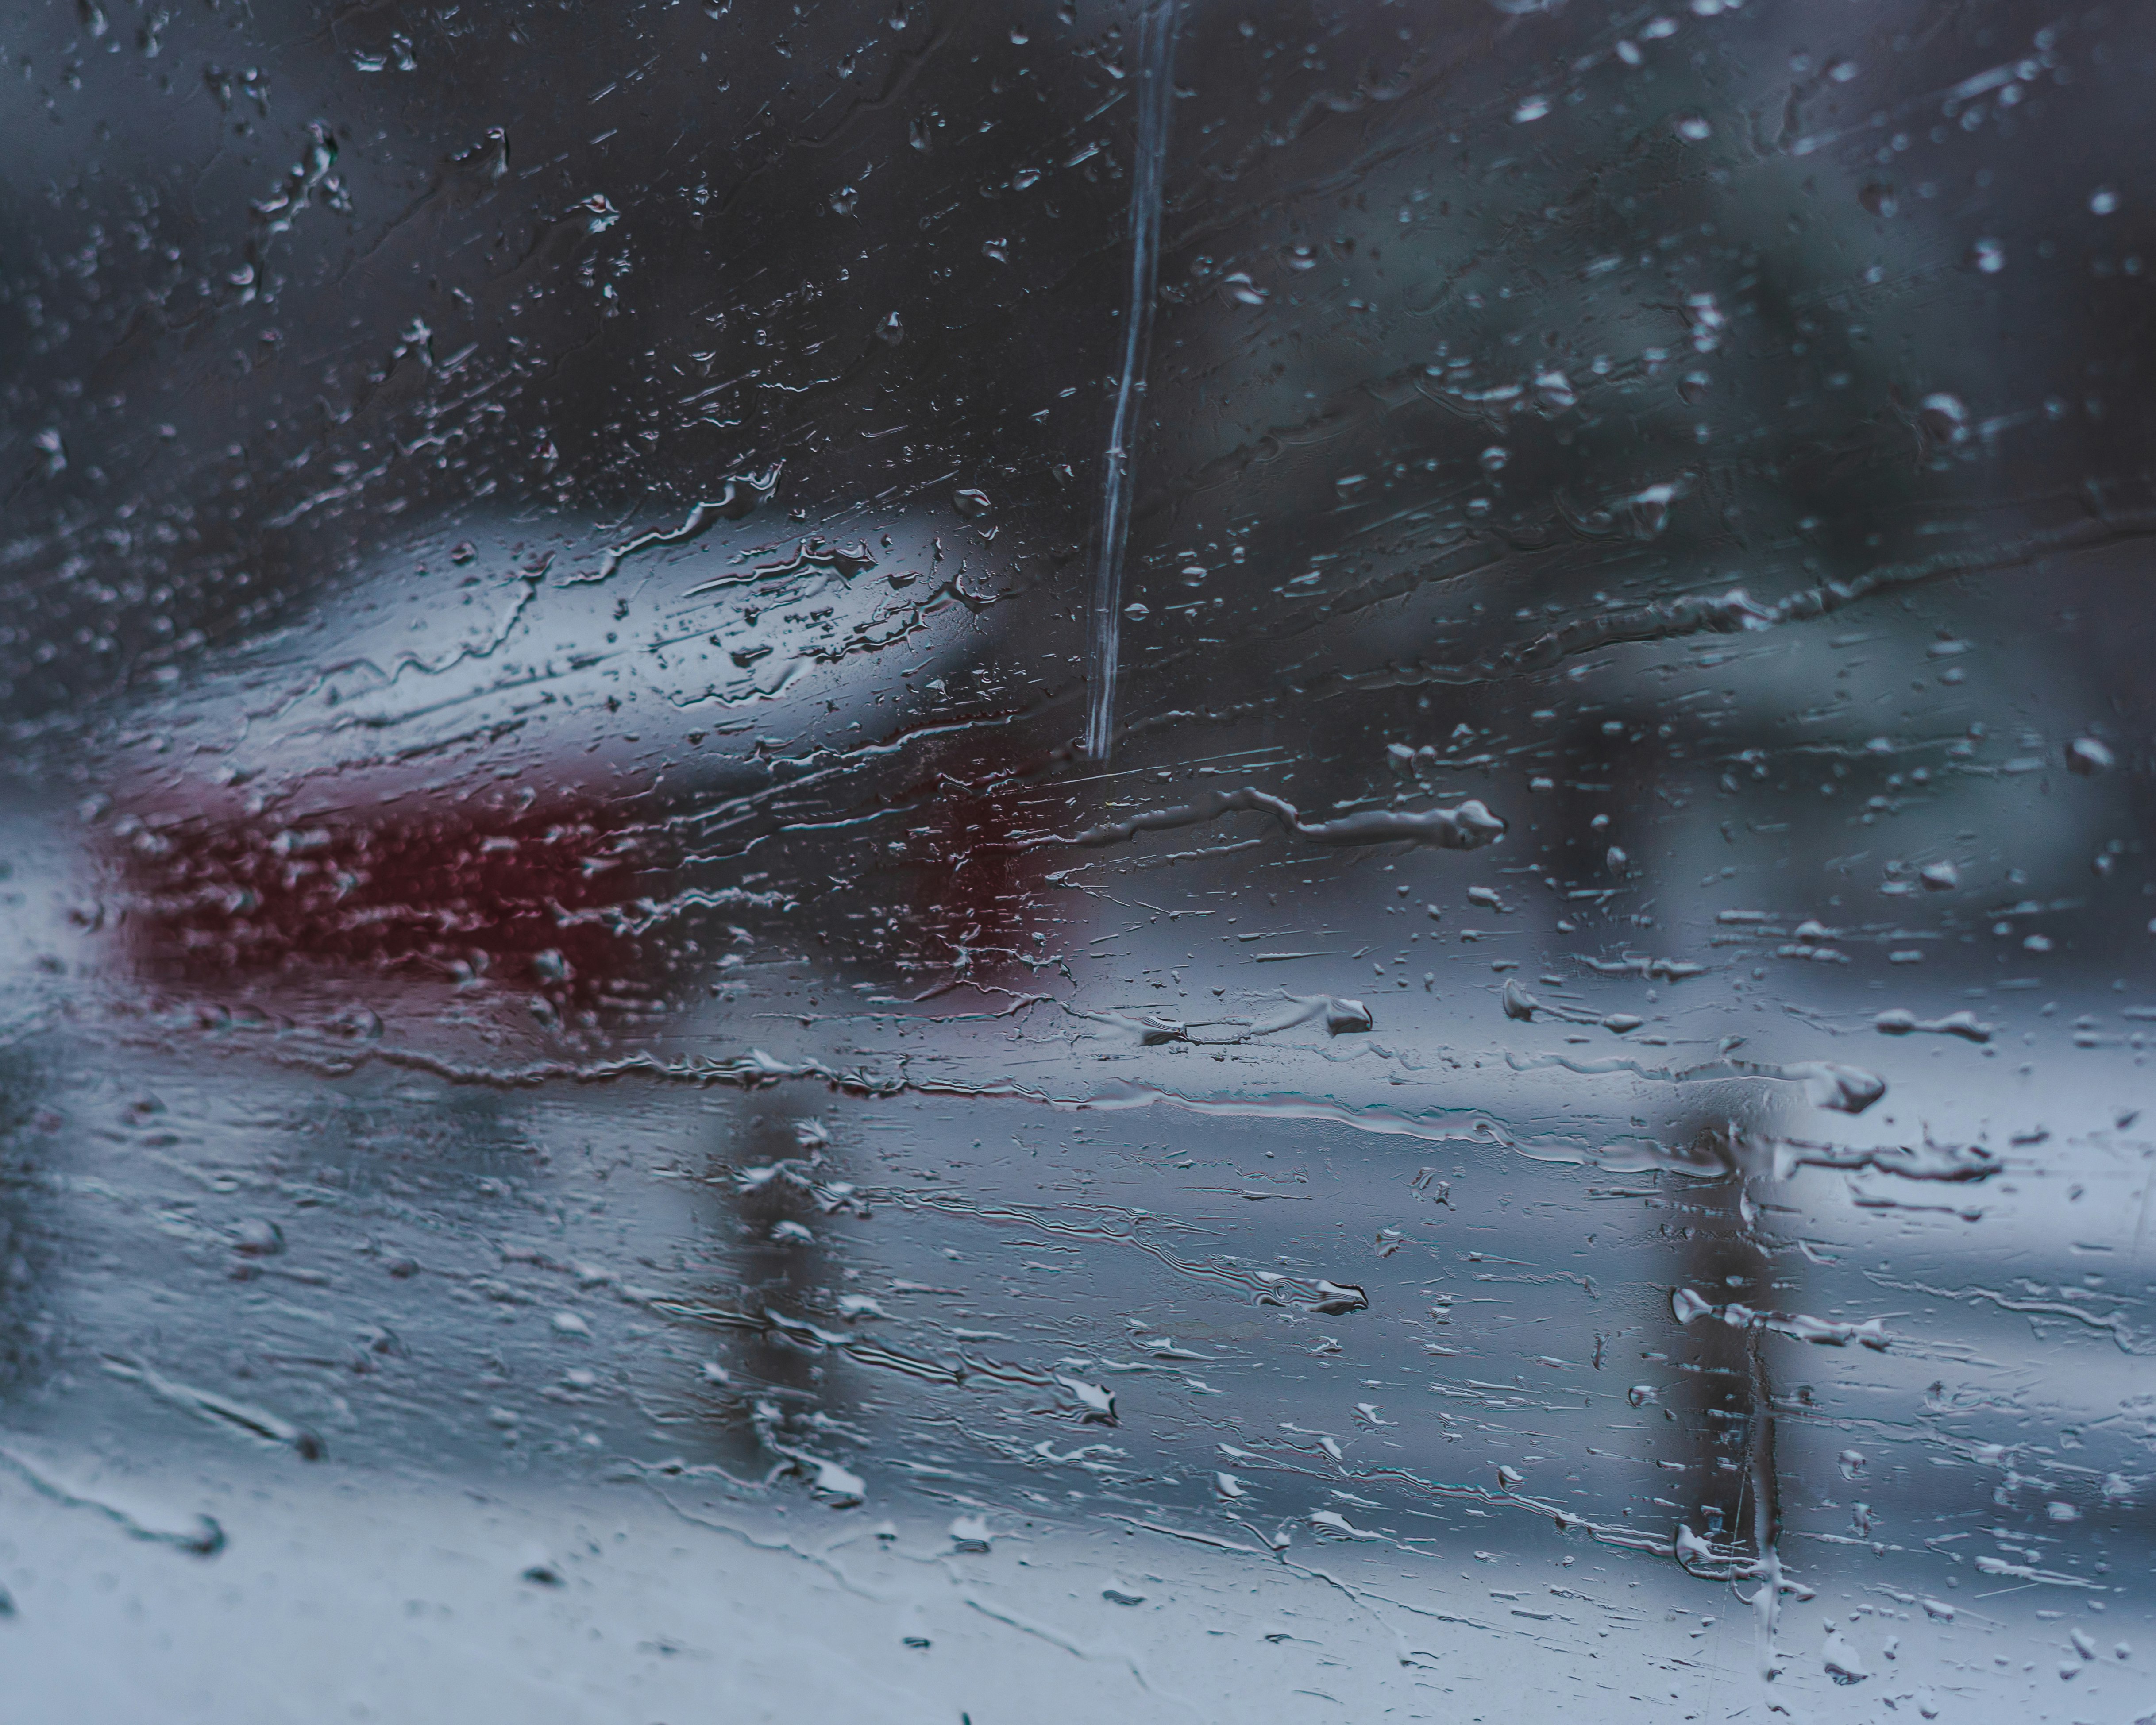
1156, 57
947, 862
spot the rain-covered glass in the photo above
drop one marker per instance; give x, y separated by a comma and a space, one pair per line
1023, 863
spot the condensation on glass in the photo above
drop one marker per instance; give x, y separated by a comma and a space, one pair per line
1028, 862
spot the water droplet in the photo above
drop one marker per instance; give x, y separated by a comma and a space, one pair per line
1843, 1662
1554, 391
1941, 420
2087, 757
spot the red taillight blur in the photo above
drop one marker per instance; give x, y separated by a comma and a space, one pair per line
446, 897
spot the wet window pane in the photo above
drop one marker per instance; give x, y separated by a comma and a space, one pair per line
1057, 861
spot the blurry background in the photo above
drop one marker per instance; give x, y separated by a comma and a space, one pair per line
593, 1074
